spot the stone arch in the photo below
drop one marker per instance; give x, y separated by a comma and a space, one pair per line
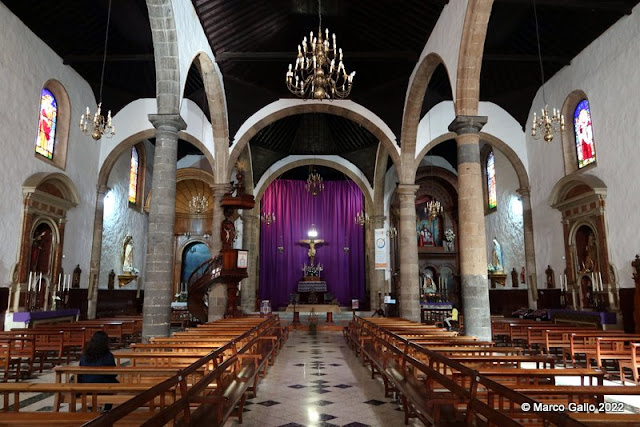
215, 95
185, 174
413, 108
281, 167
514, 159
576, 186
165, 47
131, 140
288, 107
62, 183
474, 32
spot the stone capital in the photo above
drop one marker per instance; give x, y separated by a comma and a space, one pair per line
524, 191
378, 220
407, 189
102, 190
221, 188
467, 124
167, 122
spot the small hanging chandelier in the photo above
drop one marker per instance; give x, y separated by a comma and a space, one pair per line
268, 218
198, 204
97, 125
361, 218
433, 209
314, 183
548, 125
316, 74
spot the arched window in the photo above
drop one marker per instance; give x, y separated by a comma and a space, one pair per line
585, 145
134, 170
492, 195
45, 141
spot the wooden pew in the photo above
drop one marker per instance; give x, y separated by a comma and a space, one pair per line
585, 342
609, 348
233, 378
633, 363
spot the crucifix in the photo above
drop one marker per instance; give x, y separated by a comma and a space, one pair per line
312, 247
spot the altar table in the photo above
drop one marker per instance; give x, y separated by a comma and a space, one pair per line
317, 308
27, 319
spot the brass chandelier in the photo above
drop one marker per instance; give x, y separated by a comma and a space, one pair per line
548, 125
433, 209
97, 125
314, 183
319, 72
198, 204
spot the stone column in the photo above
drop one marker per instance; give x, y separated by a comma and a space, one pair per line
376, 277
158, 286
529, 247
473, 255
409, 298
251, 239
217, 292
96, 253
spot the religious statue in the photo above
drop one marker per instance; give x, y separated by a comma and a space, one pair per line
312, 247
514, 278
428, 286
522, 276
228, 229
425, 236
496, 256
550, 278
127, 254
112, 280
589, 263
75, 281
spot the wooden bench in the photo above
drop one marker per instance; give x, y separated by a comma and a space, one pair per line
586, 342
632, 363
233, 378
80, 397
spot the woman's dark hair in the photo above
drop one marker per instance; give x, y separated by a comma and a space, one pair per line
97, 346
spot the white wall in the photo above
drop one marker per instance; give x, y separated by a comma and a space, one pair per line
505, 224
26, 63
607, 71
120, 220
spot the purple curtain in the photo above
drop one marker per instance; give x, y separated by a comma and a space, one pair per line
332, 211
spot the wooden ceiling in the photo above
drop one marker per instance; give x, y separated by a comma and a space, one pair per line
254, 41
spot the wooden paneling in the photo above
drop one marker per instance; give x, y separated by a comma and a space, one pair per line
549, 298
506, 302
626, 307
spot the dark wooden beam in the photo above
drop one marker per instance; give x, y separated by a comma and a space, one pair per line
75, 59
494, 57
621, 6
290, 56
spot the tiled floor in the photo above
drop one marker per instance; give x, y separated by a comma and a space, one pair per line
318, 381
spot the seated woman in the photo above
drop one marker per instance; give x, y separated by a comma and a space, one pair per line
96, 353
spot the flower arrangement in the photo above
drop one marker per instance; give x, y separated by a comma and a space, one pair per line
449, 235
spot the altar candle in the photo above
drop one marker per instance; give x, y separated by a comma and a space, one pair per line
59, 281
600, 280
40, 282
30, 280
239, 286
566, 285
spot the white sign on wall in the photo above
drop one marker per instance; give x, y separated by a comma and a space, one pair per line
381, 256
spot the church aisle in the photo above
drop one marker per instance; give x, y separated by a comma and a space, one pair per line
318, 381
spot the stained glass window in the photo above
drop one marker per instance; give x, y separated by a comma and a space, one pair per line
585, 146
491, 181
133, 176
47, 124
